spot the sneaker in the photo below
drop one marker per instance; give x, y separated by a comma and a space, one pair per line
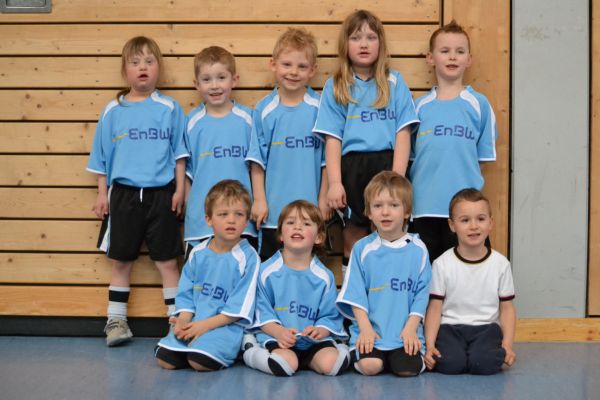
117, 332
249, 340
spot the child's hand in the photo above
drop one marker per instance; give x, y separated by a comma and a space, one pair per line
179, 323
336, 196
177, 202
412, 344
259, 212
194, 330
326, 211
366, 340
286, 337
100, 208
510, 357
429, 357
315, 333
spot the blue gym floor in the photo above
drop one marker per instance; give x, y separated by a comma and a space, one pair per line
49, 368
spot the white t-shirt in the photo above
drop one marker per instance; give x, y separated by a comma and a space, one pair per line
471, 290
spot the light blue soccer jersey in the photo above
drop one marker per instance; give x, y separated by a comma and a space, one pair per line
454, 136
359, 126
217, 283
218, 148
390, 282
138, 143
284, 146
297, 299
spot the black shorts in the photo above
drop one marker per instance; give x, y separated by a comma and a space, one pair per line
269, 244
137, 215
395, 361
357, 171
304, 356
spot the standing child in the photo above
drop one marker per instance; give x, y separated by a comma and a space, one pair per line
386, 286
139, 157
457, 133
365, 116
295, 306
471, 297
286, 158
217, 288
218, 136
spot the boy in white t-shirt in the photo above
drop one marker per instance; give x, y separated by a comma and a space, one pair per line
470, 320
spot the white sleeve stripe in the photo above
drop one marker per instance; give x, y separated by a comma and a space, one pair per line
185, 310
254, 160
321, 132
274, 267
95, 172
414, 121
242, 114
156, 97
337, 333
185, 155
320, 273
351, 304
270, 107
251, 294
197, 117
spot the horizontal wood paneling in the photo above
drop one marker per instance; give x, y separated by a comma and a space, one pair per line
558, 330
234, 10
174, 39
47, 203
99, 72
70, 269
49, 235
17, 170
40, 137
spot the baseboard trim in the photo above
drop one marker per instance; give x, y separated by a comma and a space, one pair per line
558, 330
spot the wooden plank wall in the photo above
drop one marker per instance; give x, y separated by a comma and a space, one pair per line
594, 235
58, 70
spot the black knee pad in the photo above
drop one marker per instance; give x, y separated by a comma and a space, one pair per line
205, 361
402, 364
178, 359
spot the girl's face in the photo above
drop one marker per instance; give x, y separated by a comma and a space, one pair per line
299, 233
142, 72
363, 47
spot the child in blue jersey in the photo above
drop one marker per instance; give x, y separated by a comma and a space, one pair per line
470, 322
218, 136
216, 293
287, 160
139, 157
296, 317
365, 117
457, 133
386, 286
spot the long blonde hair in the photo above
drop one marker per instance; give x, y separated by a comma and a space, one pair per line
134, 47
344, 76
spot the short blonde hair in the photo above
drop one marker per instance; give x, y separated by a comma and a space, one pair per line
212, 55
397, 185
298, 39
228, 190
451, 27
307, 208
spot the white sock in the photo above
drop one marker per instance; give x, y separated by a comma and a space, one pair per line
258, 358
118, 298
169, 296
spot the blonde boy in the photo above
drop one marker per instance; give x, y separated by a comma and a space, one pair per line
218, 136
470, 323
286, 159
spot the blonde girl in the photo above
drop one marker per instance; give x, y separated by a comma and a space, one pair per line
365, 117
139, 155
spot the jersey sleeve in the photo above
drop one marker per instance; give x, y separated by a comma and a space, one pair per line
258, 149
486, 145
437, 287
421, 296
331, 117
241, 301
353, 292
177, 132
190, 162
264, 307
184, 300
404, 106
506, 289
329, 316
101, 147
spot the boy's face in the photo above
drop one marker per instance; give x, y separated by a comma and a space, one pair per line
293, 70
472, 223
363, 47
388, 215
228, 220
142, 72
450, 56
299, 233
215, 82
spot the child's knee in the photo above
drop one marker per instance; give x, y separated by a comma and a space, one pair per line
325, 361
486, 363
165, 365
369, 366
283, 362
451, 364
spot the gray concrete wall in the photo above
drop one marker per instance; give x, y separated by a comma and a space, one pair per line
550, 140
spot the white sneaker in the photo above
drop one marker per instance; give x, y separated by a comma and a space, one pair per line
117, 332
249, 340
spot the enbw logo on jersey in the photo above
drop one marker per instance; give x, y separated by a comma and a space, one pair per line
150, 134
214, 291
400, 286
379, 115
291, 142
456, 130
226, 152
303, 311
